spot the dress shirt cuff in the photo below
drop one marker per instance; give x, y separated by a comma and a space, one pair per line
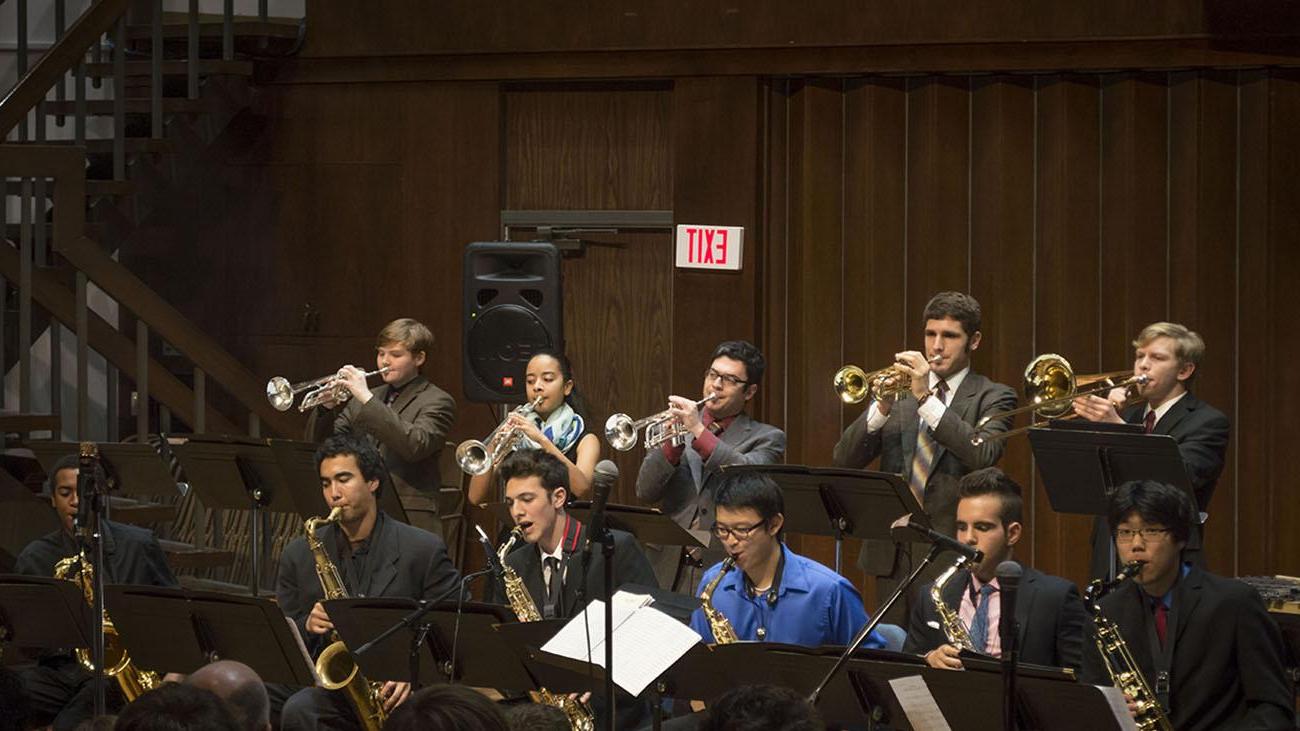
671, 453
932, 411
875, 420
705, 443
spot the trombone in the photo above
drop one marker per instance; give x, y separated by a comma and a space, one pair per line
620, 429
476, 458
281, 393
1051, 386
855, 385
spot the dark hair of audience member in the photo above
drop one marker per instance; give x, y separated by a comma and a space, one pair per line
537, 717
98, 723
761, 708
177, 707
447, 708
13, 701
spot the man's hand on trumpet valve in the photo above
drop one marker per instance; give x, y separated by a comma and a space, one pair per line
354, 380
918, 367
687, 413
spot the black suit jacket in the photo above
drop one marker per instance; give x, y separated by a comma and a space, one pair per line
955, 456
405, 561
132, 553
1048, 610
630, 567
1226, 670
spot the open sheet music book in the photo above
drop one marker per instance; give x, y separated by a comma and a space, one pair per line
646, 641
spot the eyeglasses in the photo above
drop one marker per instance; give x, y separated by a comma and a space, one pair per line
727, 379
1125, 535
741, 533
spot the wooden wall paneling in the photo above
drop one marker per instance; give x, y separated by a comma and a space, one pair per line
1067, 282
816, 284
716, 180
1203, 258
875, 324
1002, 246
938, 193
1254, 429
774, 212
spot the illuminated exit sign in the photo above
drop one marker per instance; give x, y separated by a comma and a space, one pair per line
710, 247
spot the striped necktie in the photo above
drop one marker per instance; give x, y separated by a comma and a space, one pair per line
923, 462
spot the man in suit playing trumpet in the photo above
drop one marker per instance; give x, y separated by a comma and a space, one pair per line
680, 479
926, 435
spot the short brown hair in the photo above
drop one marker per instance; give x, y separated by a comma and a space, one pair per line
993, 481
413, 335
1188, 345
959, 306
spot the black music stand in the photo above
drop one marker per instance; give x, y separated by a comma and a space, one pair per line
134, 468
24, 517
297, 462
44, 613
648, 525
553, 672
830, 501
177, 630
1081, 468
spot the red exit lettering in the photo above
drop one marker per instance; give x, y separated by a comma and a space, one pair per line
706, 245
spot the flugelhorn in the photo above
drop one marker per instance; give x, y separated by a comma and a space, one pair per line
476, 458
621, 430
1050, 387
281, 393
855, 385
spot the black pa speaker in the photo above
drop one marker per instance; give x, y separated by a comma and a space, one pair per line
513, 307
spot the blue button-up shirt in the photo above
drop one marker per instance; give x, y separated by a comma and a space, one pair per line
815, 606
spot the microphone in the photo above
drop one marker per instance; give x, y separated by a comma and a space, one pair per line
905, 528
1008, 573
493, 563
602, 484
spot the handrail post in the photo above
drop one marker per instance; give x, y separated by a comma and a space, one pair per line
25, 299
141, 380
192, 51
83, 358
228, 31
155, 73
119, 98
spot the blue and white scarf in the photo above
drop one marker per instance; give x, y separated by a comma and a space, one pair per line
564, 427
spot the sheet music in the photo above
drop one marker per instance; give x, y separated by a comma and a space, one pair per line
1119, 706
919, 704
646, 641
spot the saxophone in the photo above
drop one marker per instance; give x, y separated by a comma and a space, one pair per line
579, 714
117, 663
1123, 670
953, 629
336, 667
723, 632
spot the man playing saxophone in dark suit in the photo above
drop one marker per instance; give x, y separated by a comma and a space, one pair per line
679, 480
1049, 612
926, 436
375, 556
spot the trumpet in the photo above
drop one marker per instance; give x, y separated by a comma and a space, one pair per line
281, 393
620, 429
476, 458
1051, 386
855, 385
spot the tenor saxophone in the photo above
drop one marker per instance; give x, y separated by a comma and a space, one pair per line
1123, 670
723, 632
580, 715
133, 681
953, 628
335, 666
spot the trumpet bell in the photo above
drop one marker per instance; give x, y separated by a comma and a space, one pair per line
855, 385
620, 432
850, 383
280, 393
472, 457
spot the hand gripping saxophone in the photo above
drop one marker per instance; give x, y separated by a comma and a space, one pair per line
956, 632
336, 667
1123, 670
723, 632
579, 714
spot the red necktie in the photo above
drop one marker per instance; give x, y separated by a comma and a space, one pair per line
1150, 421
1162, 619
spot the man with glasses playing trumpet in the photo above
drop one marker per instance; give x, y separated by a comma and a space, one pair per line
407, 416
678, 478
925, 434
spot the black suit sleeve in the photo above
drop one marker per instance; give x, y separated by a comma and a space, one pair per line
1202, 451
1069, 630
439, 574
1268, 698
295, 598
920, 636
630, 563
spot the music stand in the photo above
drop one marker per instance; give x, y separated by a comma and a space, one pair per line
44, 613
24, 517
177, 630
134, 468
1081, 468
297, 463
830, 501
648, 525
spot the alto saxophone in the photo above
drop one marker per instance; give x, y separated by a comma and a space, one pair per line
723, 632
1123, 670
953, 628
336, 667
133, 681
580, 715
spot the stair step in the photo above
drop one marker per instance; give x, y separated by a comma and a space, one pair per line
104, 107
207, 67
139, 512
94, 230
186, 556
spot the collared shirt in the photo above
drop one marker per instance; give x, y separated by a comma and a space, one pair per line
1162, 409
993, 640
814, 606
558, 553
354, 561
931, 411
705, 443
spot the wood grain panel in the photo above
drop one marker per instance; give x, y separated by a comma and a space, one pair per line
774, 211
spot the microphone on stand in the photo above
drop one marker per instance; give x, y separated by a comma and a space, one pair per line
602, 484
906, 529
1008, 573
493, 562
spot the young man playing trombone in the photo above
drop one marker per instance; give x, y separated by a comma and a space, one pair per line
407, 416
678, 479
926, 435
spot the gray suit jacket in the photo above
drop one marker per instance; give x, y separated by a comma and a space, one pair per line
684, 490
410, 434
895, 444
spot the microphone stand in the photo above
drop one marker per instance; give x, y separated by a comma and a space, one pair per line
602, 535
863, 633
92, 502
